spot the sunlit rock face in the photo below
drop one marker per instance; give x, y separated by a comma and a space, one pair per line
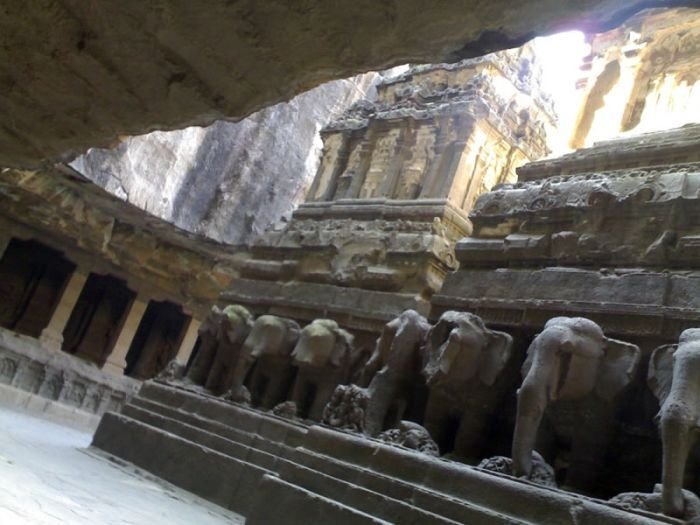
228, 181
641, 77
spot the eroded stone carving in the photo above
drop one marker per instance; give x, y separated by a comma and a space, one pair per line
394, 368
410, 435
541, 472
174, 371
235, 325
674, 377
268, 352
572, 360
347, 408
323, 358
653, 502
465, 360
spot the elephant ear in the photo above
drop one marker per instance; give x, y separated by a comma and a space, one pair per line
343, 347
660, 374
495, 356
617, 368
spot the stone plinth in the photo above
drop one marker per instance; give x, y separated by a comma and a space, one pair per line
617, 245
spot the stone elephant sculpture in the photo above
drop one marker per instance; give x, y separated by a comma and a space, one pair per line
465, 360
269, 347
574, 373
394, 368
323, 357
208, 342
674, 377
234, 328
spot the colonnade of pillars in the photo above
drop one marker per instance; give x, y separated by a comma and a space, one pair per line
95, 317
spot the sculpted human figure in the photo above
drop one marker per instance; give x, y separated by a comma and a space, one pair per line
465, 361
394, 369
323, 357
269, 347
571, 360
674, 377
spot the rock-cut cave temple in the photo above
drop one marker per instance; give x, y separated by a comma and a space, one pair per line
442, 320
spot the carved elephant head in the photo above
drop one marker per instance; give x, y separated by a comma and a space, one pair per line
674, 377
460, 349
270, 336
322, 342
394, 366
400, 345
570, 359
236, 323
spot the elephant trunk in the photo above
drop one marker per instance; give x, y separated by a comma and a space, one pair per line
532, 400
243, 364
676, 433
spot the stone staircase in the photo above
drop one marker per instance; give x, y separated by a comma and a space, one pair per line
272, 470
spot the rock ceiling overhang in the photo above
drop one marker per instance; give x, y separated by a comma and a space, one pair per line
76, 73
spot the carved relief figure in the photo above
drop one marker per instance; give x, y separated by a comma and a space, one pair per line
394, 368
413, 173
352, 170
383, 152
674, 377
269, 347
465, 360
323, 357
572, 360
235, 326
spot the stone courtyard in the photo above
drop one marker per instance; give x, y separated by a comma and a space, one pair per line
49, 475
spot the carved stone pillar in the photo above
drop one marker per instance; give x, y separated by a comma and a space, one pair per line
116, 362
188, 341
52, 336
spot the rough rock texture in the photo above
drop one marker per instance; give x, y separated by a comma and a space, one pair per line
103, 234
641, 76
229, 181
59, 377
77, 74
542, 473
398, 177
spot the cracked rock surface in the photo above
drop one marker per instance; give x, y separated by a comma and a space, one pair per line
75, 74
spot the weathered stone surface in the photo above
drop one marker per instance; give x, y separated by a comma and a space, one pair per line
641, 77
59, 377
324, 471
229, 181
76, 76
103, 234
617, 245
398, 176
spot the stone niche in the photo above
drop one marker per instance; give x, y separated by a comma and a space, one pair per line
396, 182
641, 76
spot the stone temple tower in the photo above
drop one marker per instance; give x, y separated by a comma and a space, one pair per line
393, 192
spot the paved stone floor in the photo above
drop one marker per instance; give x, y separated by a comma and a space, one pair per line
48, 476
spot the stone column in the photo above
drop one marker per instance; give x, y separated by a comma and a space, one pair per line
116, 361
188, 341
52, 336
